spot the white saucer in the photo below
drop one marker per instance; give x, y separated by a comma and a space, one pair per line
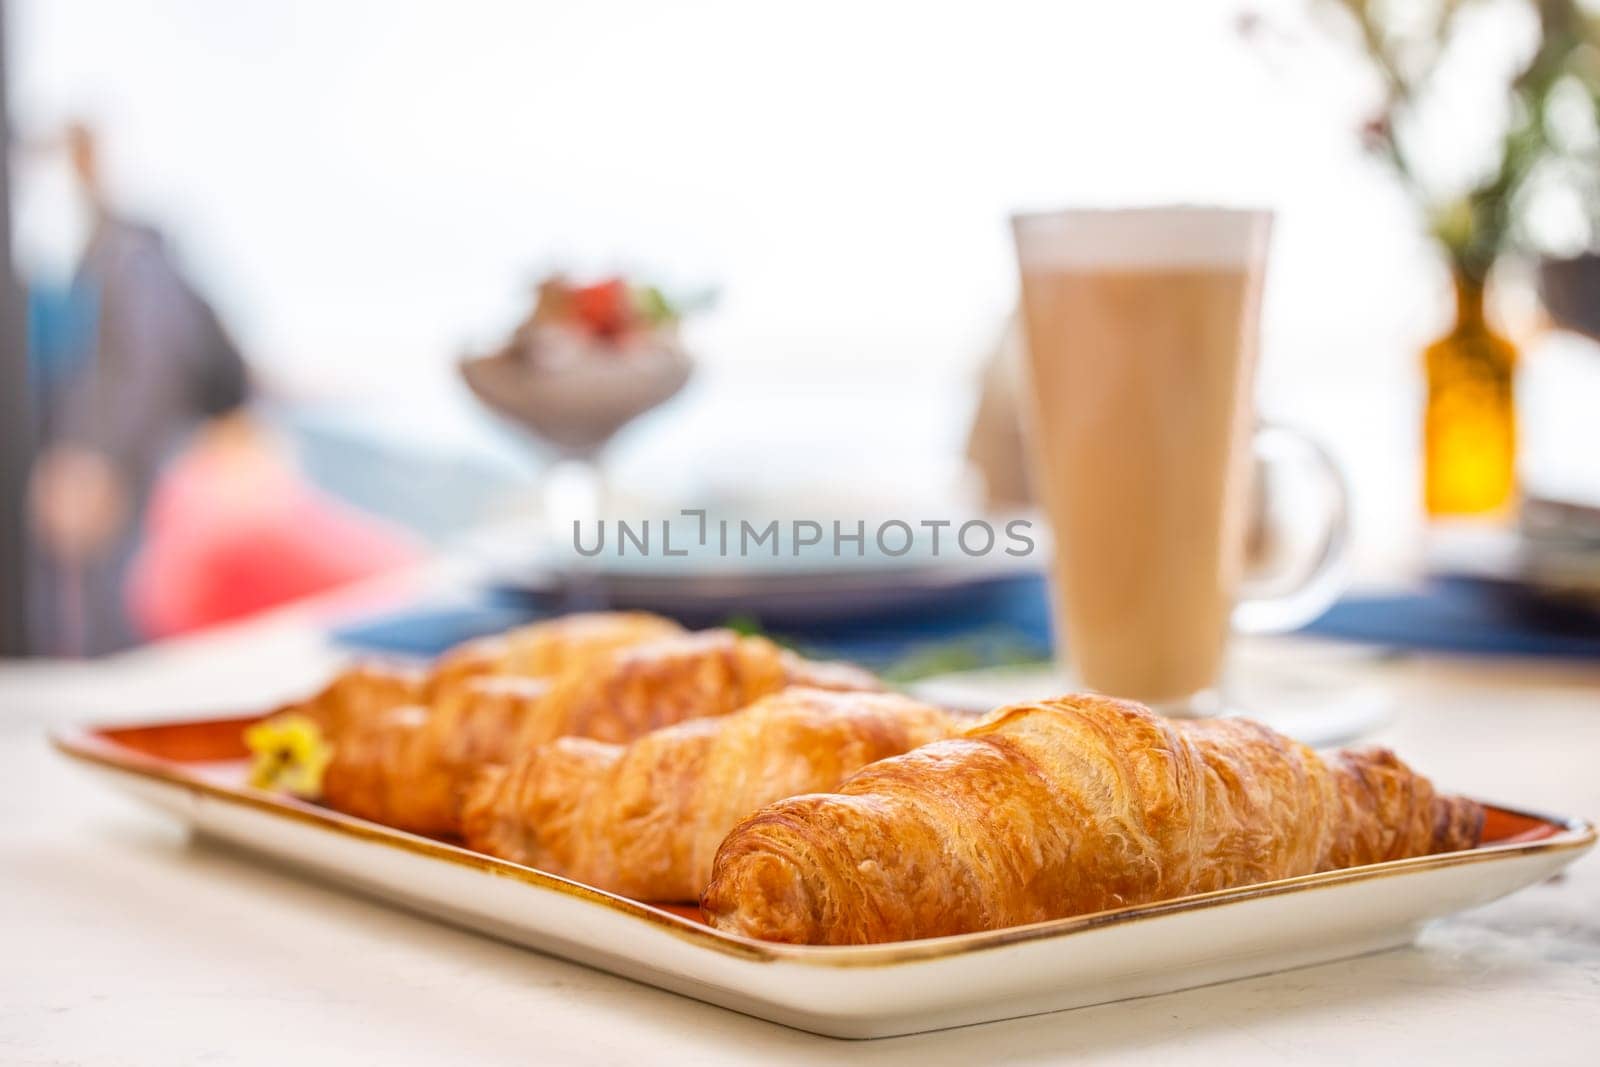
1319, 694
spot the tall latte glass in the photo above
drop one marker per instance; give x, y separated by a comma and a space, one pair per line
1142, 336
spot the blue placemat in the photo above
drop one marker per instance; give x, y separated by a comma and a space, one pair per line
1465, 616
1008, 619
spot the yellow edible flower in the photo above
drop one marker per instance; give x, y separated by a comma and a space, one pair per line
289, 755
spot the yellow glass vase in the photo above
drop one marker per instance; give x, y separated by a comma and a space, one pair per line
1470, 425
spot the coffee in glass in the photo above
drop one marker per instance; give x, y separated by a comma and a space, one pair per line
1142, 329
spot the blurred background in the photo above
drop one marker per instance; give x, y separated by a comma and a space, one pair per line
309, 213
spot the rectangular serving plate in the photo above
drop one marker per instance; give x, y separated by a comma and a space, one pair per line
196, 771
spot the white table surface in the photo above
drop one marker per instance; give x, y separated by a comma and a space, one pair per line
124, 942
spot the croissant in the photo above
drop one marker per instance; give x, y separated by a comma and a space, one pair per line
645, 820
344, 725
699, 675
1062, 808
539, 650
405, 767
553, 647
359, 692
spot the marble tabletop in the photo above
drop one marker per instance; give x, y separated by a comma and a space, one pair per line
124, 942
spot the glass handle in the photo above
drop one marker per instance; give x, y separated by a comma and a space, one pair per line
1327, 565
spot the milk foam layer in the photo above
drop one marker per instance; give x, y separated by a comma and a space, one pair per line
1141, 238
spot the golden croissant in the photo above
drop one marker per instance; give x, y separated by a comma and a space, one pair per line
360, 692
658, 683
539, 650
1066, 807
360, 705
554, 647
645, 820
406, 769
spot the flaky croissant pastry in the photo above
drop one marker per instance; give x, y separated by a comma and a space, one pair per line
553, 647
645, 820
405, 768
360, 692
1061, 808
695, 676
360, 704
540, 650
